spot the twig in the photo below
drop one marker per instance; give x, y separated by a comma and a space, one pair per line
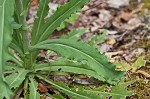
143, 73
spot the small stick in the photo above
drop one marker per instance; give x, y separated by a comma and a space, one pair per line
143, 73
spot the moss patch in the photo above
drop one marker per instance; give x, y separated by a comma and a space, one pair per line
144, 43
141, 87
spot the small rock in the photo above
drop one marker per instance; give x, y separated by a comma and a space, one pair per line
118, 3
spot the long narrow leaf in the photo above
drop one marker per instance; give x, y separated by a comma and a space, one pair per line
6, 13
69, 66
55, 96
81, 51
33, 89
58, 17
76, 93
40, 19
5, 91
75, 34
25, 6
21, 33
19, 19
16, 48
15, 79
26, 88
117, 92
17, 43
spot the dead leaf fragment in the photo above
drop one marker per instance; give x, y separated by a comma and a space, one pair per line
132, 24
126, 16
42, 88
110, 54
34, 2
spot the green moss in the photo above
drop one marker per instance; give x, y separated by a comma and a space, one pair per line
144, 43
141, 87
141, 90
147, 57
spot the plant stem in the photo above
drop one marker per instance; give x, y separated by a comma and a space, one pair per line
24, 31
22, 20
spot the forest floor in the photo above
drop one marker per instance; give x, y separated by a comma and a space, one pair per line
128, 38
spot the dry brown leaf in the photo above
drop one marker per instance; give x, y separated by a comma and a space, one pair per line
34, 2
110, 54
126, 16
132, 24
117, 22
42, 88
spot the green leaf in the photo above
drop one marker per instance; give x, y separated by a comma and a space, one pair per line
75, 34
70, 20
96, 39
139, 62
5, 91
20, 35
16, 59
81, 51
5, 31
117, 92
33, 89
122, 66
16, 25
74, 93
15, 79
16, 47
20, 10
55, 96
6, 13
25, 7
17, 43
69, 66
62, 26
12, 67
58, 17
26, 88
25, 27
40, 19
126, 83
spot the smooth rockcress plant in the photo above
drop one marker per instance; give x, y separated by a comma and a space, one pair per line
19, 68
